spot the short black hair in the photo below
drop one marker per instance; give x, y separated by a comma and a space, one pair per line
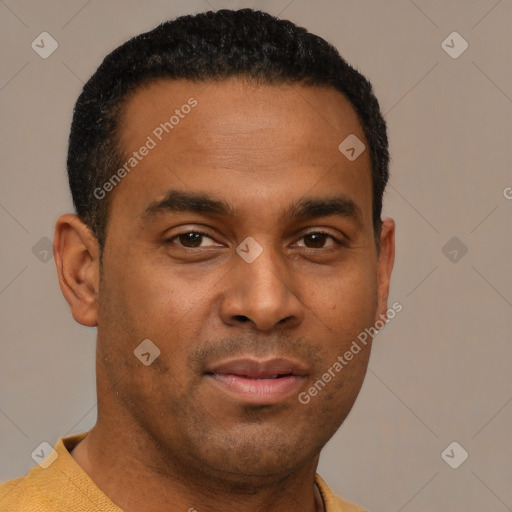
209, 46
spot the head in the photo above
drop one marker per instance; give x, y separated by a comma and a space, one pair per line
217, 217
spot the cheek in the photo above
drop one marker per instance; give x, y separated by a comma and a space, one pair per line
146, 298
348, 299
151, 303
135, 309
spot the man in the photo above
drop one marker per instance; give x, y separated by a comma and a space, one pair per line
227, 170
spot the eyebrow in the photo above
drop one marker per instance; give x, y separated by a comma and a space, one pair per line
177, 201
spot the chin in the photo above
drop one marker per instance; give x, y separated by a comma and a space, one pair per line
256, 456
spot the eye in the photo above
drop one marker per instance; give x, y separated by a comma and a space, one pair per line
318, 238
194, 239
189, 239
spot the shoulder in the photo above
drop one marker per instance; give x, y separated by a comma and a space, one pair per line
25, 494
334, 503
46, 487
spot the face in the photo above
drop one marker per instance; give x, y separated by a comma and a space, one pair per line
241, 244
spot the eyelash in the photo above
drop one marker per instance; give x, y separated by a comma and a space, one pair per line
337, 241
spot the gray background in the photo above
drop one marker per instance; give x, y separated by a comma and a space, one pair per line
439, 372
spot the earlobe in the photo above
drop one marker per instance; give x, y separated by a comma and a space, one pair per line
76, 253
385, 266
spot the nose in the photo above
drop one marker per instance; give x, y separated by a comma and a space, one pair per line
263, 292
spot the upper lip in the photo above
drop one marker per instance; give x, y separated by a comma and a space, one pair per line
254, 368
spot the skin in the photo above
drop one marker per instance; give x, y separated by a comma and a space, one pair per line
260, 148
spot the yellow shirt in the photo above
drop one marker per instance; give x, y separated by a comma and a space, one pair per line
63, 486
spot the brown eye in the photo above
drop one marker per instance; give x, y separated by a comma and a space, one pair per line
189, 239
317, 240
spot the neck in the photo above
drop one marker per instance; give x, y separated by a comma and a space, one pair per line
119, 463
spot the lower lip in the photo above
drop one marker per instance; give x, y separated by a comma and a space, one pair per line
258, 391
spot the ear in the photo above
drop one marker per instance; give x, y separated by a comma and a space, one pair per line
385, 266
76, 253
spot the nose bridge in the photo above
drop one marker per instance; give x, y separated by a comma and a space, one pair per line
261, 264
262, 290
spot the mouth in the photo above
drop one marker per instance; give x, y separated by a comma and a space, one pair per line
258, 382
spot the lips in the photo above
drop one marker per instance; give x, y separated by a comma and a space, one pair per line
258, 382
254, 369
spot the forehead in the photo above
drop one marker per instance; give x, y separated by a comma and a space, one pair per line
241, 141
237, 107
